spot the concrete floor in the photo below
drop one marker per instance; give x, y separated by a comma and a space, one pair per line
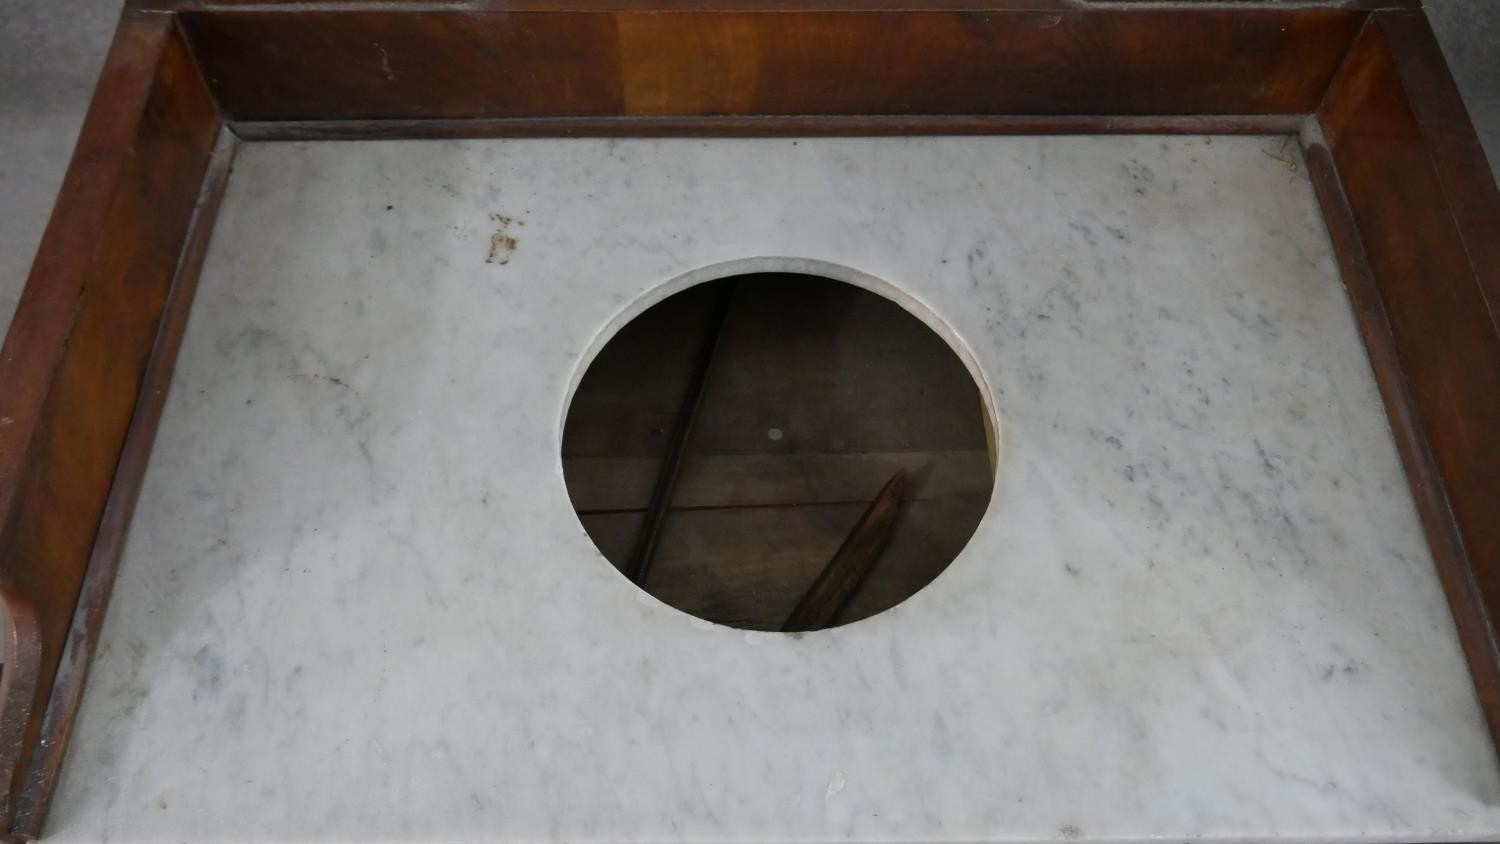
51, 52
50, 55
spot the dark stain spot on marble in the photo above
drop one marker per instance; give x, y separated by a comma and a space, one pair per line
502, 242
328, 379
1141, 176
502, 246
1069, 832
1348, 669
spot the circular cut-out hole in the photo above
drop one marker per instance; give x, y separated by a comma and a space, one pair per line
764, 415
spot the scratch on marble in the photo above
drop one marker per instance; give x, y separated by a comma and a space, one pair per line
331, 379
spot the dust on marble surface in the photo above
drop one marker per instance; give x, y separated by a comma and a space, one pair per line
1199, 607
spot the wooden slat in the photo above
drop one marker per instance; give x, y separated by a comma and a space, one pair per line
40, 779
821, 391
74, 358
749, 567
1457, 157
603, 484
376, 63
1416, 199
841, 579
844, 371
638, 565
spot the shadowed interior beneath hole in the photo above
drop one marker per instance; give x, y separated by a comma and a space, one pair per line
819, 391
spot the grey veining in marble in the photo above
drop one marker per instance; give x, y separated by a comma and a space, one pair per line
356, 603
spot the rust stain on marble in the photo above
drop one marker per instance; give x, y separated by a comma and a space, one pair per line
502, 242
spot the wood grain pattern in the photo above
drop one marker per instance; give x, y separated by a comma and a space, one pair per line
843, 372
765, 556
73, 360
375, 64
615, 484
638, 565
821, 391
839, 581
381, 65
1453, 147
88, 618
1412, 204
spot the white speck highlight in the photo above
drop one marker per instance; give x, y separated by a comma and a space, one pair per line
835, 785
774, 434
385, 63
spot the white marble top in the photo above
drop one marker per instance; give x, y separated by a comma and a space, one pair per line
356, 603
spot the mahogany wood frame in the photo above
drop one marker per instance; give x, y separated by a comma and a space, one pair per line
1410, 204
